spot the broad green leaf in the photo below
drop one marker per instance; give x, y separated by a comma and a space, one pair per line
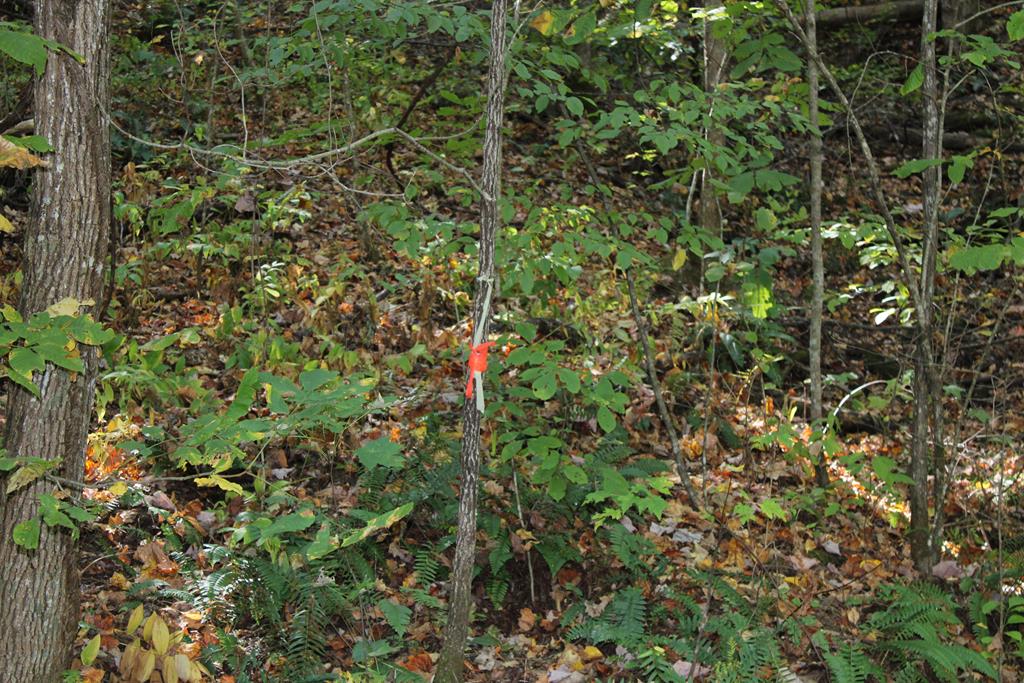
382, 452
570, 380
289, 523
49, 507
376, 524
91, 649
613, 483
914, 81
545, 386
244, 396
26, 534
606, 418
885, 469
574, 105
323, 545
973, 259
771, 509
25, 48
915, 166
1015, 25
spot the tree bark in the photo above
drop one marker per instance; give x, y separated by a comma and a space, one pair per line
64, 253
817, 262
714, 66
927, 430
900, 10
451, 661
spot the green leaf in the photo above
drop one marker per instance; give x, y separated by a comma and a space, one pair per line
91, 649
244, 396
25, 48
914, 81
397, 616
376, 524
613, 483
290, 523
557, 486
323, 545
885, 469
570, 380
606, 418
771, 509
26, 534
1015, 25
545, 386
49, 507
973, 259
382, 452
958, 168
915, 166
574, 105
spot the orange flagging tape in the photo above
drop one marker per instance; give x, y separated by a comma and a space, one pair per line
477, 363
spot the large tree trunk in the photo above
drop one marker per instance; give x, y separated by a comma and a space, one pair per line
450, 663
64, 249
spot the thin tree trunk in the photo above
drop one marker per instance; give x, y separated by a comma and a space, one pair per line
927, 393
818, 266
64, 256
714, 65
450, 664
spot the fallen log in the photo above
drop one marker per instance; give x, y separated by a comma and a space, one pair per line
902, 10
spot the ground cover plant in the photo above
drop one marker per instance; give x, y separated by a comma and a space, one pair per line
490, 341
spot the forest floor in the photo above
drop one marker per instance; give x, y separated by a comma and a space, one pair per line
811, 572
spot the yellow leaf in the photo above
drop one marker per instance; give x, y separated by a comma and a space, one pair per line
161, 637
169, 670
590, 653
144, 667
135, 619
679, 260
69, 305
13, 156
543, 22
221, 482
147, 630
183, 666
119, 489
91, 649
5, 225
131, 653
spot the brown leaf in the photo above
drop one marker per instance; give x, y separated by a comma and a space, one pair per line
13, 156
527, 619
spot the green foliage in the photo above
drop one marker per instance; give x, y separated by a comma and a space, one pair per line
912, 633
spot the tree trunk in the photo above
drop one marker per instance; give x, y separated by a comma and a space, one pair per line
450, 663
817, 262
714, 66
927, 435
64, 253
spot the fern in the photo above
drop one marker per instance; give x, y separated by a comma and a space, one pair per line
621, 623
913, 630
850, 664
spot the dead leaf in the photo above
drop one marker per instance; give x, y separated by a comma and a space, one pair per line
527, 619
948, 569
543, 22
13, 156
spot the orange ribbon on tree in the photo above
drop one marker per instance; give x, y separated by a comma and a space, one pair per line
477, 367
